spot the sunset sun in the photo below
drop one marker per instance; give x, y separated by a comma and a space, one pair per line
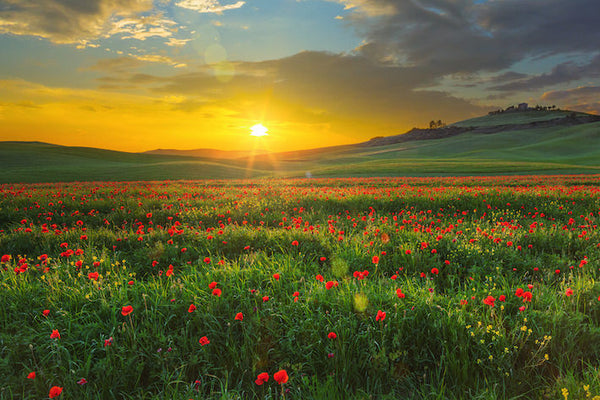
259, 130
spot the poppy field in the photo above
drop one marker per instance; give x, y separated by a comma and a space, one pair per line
363, 288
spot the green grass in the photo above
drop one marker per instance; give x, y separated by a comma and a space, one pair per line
449, 243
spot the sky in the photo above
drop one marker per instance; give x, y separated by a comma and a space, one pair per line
137, 75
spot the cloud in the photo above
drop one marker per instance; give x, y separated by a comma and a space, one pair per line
158, 58
562, 73
142, 27
583, 98
177, 42
65, 21
208, 6
463, 36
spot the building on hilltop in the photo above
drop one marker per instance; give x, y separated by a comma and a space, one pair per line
523, 107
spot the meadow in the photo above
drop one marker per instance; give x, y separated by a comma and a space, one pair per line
358, 288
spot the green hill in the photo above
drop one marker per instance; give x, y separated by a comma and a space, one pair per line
535, 142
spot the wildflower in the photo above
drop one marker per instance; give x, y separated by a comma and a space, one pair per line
331, 335
276, 277
435, 271
527, 296
93, 276
31, 375
489, 301
126, 310
330, 355
212, 285
82, 381
502, 298
380, 315
204, 341
519, 292
320, 278
55, 334
330, 284
295, 243
192, 308
55, 391
265, 299
207, 260
5, 258
375, 260
400, 294
45, 313
568, 292
261, 378
239, 316
281, 376
394, 277
216, 292
108, 342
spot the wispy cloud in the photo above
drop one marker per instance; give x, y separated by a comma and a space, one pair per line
142, 27
209, 6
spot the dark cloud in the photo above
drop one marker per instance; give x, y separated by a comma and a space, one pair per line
450, 36
64, 21
572, 94
561, 73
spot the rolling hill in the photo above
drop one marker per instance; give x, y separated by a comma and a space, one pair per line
533, 142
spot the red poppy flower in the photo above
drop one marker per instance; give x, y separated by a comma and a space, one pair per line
192, 308
45, 313
400, 294
82, 381
331, 335
5, 258
216, 292
93, 276
265, 299
502, 298
55, 391
239, 316
212, 285
330, 284
519, 292
261, 378
207, 260
276, 277
295, 243
55, 334
380, 315
31, 375
126, 310
568, 292
281, 376
320, 278
435, 271
375, 260
204, 340
489, 301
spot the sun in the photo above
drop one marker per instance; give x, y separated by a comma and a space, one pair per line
259, 130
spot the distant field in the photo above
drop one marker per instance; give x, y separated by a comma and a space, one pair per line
555, 149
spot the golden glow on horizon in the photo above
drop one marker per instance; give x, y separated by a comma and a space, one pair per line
259, 130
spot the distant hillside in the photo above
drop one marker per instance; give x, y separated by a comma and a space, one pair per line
201, 153
538, 142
